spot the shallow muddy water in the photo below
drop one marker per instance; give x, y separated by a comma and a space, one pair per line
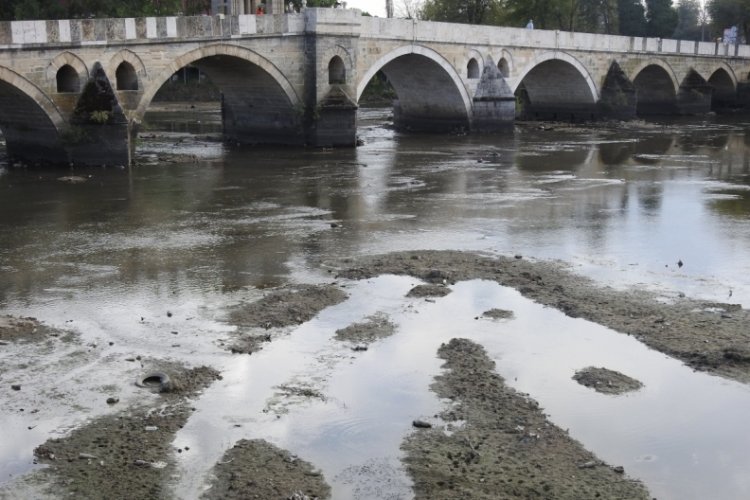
198, 226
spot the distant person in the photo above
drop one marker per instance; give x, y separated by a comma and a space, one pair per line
530, 24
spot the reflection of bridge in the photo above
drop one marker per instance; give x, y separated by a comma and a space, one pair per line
76, 90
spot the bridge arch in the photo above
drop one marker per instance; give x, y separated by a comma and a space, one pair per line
563, 57
474, 63
344, 56
723, 82
259, 105
505, 63
723, 66
126, 61
661, 64
656, 88
431, 92
70, 60
232, 51
29, 119
556, 85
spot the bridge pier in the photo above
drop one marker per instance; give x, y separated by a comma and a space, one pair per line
335, 121
410, 120
618, 96
743, 94
98, 132
694, 96
494, 105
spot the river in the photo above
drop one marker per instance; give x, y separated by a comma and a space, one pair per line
197, 225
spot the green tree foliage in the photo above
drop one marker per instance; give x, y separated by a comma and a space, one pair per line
73, 9
632, 17
542, 12
661, 18
688, 20
593, 16
461, 11
598, 16
728, 13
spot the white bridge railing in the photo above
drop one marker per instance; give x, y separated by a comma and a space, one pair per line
86, 32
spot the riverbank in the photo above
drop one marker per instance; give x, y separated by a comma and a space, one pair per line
489, 439
707, 336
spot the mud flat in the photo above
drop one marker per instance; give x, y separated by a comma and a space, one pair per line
375, 327
500, 444
606, 381
281, 308
25, 329
128, 454
707, 336
257, 469
496, 442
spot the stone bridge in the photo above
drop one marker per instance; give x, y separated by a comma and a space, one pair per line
75, 91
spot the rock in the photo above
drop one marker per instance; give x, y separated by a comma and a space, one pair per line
16, 387
112, 400
86, 456
619, 469
44, 452
421, 424
588, 465
606, 381
72, 179
498, 314
423, 291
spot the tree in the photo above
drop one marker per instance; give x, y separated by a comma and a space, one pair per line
598, 16
592, 16
631, 17
727, 13
661, 18
409, 9
460, 11
688, 20
546, 14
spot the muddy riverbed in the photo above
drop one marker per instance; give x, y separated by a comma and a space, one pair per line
557, 313
491, 442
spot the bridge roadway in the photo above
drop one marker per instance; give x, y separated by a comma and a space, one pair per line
75, 91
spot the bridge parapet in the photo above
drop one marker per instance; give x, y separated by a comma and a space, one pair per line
426, 31
116, 31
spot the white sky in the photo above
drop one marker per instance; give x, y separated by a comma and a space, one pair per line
374, 7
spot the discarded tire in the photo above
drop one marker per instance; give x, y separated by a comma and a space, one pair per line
156, 381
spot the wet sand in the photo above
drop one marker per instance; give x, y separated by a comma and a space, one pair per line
706, 336
500, 444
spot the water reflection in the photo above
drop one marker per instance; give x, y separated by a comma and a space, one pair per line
233, 219
198, 232
675, 434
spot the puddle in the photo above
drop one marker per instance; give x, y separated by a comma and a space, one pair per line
682, 434
112, 256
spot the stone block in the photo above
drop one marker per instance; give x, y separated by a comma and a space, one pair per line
668, 45
6, 33
114, 30
706, 48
